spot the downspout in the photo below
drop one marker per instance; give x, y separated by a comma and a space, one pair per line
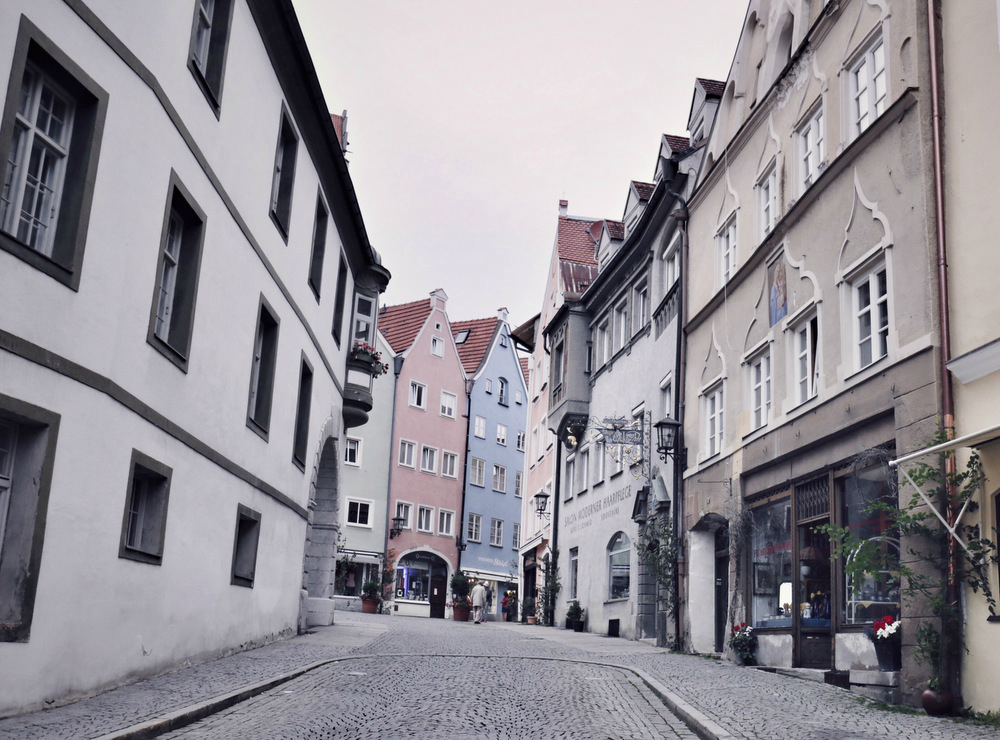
554, 539
397, 368
680, 367
953, 665
469, 385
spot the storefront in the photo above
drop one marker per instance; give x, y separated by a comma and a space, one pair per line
421, 587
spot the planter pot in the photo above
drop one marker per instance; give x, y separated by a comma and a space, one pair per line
578, 626
936, 702
889, 654
369, 606
462, 613
531, 619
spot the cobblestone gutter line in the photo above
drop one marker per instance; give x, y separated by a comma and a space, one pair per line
692, 717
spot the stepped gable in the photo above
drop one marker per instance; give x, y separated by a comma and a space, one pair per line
477, 344
401, 324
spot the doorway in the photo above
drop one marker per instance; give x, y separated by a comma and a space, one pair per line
721, 586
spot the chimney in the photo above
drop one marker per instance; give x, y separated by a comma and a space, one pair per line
502, 313
563, 206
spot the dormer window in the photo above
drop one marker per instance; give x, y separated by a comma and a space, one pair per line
462, 336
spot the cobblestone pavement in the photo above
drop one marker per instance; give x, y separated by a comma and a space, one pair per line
380, 676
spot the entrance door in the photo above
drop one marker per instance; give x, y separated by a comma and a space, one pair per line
814, 639
721, 586
437, 596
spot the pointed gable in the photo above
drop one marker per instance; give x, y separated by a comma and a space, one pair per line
401, 324
472, 350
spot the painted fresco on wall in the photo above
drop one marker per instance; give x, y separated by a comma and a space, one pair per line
778, 291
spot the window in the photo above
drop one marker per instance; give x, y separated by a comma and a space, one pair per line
265, 353
50, 139
480, 429
502, 397
489, 385
364, 319
446, 523
515, 535
437, 346
496, 532
518, 396
714, 420
868, 88
403, 511
359, 513
806, 376
871, 314
760, 390
245, 547
640, 306
284, 176
558, 365
209, 44
667, 396
502, 434
407, 450
475, 530
318, 246
520, 440
478, 472
425, 519
341, 298
767, 201
569, 484
812, 149
500, 478
619, 550
461, 336
518, 483
726, 240
448, 401
301, 441
771, 545
418, 394
179, 262
352, 452
503, 340
145, 523
599, 462
671, 264
428, 459
602, 348
449, 465
574, 571
621, 325
583, 470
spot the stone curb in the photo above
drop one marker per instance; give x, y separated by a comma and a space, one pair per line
704, 727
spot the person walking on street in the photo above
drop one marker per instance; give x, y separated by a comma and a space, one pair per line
478, 602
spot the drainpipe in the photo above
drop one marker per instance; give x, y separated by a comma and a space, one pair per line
469, 385
953, 664
397, 368
679, 370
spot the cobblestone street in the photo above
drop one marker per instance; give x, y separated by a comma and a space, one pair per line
390, 677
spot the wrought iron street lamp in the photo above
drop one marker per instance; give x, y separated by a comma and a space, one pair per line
541, 503
397, 527
667, 439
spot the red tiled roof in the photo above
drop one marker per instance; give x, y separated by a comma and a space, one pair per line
574, 240
616, 229
576, 278
474, 348
644, 189
525, 367
401, 324
595, 230
713, 87
677, 143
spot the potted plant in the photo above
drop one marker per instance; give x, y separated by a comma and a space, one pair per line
574, 616
367, 355
461, 603
887, 638
371, 596
528, 609
743, 641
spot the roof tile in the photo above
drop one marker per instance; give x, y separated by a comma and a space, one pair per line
401, 324
477, 344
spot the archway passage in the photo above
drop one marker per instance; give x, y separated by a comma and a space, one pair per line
423, 576
319, 568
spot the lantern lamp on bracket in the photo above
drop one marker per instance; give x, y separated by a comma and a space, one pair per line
541, 503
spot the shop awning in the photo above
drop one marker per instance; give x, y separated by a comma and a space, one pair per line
967, 440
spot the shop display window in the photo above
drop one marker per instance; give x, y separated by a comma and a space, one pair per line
771, 573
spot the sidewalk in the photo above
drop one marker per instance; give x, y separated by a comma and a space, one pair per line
714, 698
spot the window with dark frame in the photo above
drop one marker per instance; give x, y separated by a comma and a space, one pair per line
318, 247
265, 353
359, 512
245, 547
50, 140
302, 409
209, 47
339, 301
178, 267
283, 179
144, 525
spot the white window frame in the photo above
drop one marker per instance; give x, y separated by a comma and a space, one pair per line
477, 472
569, 479
767, 200
622, 551
479, 428
361, 502
805, 358
811, 148
726, 241
502, 434
365, 311
355, 444
418, 395
521, 436
502, 391
599, 471
868, 80
500, 478
603, 345
448, 403
714, 410
515, 536
474, 531
428, 459
640, 306
621, 329
872, 318
437, 347
518, 483
670, 259
404, 510
518, 396
583, 470
449, 464
759, 383
407, 460
425, 519
446, 522
496, 532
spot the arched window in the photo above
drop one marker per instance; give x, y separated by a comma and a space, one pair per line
619, 552
502, 395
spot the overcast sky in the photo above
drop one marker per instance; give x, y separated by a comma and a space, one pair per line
468, 122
